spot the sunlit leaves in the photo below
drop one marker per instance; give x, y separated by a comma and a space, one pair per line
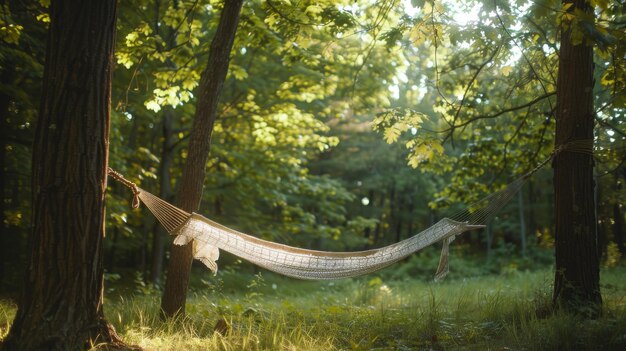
171, 43
153, 105
9, 32
238, 72
44, 17
423, 147
314, 9
423, 151
394, 122
172, 96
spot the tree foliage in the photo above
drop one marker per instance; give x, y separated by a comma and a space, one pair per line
342, 124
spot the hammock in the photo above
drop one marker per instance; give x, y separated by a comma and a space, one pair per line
208, 237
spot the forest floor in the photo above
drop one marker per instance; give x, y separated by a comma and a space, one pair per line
268, 312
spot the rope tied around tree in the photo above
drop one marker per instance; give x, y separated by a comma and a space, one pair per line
132, 186
583, 146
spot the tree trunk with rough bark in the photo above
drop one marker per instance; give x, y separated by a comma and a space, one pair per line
61, 303
577, 277
190, 191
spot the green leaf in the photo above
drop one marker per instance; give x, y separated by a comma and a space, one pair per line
314, 9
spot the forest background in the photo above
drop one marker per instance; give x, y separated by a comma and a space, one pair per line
342, 126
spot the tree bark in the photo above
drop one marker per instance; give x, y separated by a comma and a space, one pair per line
61, 303
576, 286
190, 191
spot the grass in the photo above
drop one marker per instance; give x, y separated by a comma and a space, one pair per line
268, 312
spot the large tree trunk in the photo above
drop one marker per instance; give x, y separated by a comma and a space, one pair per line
61, 303
190, 191
576, 286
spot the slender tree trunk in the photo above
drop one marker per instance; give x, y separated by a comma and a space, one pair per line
367, 233
4, 111
410, 221
577, 277
618, 227
110, 262
522, 222
618, 220
143, 253
167, 158
381, 222
399, 225
190, 192
132, 135
532, 222
489, 233
399, 211
217, 205
602, 238
165, 192
61, 303
602, 243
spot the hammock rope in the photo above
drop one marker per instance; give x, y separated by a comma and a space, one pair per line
208, 237
132, 186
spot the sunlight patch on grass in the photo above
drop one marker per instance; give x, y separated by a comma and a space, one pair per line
478, 313
268, 312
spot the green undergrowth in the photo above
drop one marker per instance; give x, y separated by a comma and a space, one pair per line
267, 312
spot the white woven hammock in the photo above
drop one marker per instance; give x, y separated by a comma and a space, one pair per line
209, 237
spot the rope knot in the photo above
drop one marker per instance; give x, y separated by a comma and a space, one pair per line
132, 186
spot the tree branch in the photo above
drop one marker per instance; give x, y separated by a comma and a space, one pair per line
471, 83
499, 113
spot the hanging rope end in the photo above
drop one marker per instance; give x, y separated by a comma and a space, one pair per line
135, 203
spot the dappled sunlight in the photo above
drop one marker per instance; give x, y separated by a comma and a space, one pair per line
277, 313
367, 145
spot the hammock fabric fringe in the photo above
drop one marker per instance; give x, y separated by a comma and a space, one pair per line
208, 237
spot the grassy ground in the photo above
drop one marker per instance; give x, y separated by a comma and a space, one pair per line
504, 312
